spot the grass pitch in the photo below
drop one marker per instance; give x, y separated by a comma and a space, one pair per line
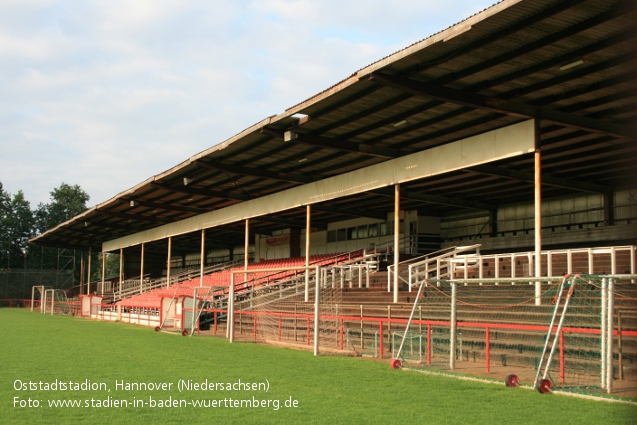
101, 363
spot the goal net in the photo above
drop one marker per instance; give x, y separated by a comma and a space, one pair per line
579, 332
279, 306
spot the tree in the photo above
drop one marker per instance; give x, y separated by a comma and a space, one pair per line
66, 202
5, 209
16, 227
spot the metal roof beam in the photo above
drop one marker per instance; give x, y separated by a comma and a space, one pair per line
133, 216
290, 223
435, 199
547, 180
203, 192
254, 172
164, 206
501, 106
351, 212
341, 145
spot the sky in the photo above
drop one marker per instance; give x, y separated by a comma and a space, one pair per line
107, 93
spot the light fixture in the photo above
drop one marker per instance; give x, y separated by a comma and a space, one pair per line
302, 160
399, 123
133, 203
571, 64
290, 135
86, 223
187, 181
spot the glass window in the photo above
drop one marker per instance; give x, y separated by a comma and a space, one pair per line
331, 236
362, 232
373, 230
341, 235
351, 233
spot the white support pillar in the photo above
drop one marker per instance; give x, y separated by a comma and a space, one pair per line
103, 272
141, 271
308, 219
121, 269
452, 327
230, 321
202, 256
246, 249
82, 270
609, 341
169, 263
316, 312
88, 273
538, 212
396, 239
603, 333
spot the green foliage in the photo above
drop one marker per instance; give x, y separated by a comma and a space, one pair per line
16, 227
66, 202
18, 223
329, 389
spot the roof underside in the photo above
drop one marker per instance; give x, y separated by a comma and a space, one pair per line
504, 65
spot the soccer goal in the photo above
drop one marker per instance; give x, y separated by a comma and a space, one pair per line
579, 334
37, 295
293, 306
55, 301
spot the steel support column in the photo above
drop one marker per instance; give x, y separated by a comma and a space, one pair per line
538, 212
169, 263
141, 271
396, 239
103, 272
308, 220
202, 258
88, 272
246, 248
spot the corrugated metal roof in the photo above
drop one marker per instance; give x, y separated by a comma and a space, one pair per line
501, 61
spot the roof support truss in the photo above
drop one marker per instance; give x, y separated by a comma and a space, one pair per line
501, 106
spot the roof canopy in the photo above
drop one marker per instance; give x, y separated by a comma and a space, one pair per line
569, 64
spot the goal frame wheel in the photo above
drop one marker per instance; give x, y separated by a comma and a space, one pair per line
545, 386
396, 364
512, 381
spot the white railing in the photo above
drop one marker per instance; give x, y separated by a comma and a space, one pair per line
133, 286
442, 264
447, 266
345, 274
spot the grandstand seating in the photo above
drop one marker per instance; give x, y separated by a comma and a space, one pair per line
152, 299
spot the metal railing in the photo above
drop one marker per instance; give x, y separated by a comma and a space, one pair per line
448, 265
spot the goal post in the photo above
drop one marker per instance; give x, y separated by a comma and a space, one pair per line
274, 300
233, 283
581, 338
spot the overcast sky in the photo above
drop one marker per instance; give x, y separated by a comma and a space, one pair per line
108, 93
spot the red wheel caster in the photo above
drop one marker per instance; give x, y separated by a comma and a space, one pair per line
544, 386
512, 381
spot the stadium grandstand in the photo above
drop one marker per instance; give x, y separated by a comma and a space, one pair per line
467, 204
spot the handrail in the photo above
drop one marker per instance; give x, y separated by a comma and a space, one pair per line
351, 258
132, 286
296, 281
479, 259
414, 269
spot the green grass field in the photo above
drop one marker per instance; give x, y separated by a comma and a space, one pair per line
328, 389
